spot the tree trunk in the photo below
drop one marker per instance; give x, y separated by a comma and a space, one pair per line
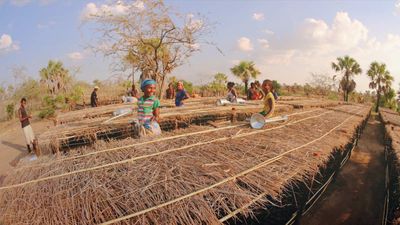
347, 88
246, 82
161, 87
378, 98
133, 75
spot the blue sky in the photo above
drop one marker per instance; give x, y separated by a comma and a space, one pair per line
287, 40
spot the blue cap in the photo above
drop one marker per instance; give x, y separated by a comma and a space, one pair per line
147, 82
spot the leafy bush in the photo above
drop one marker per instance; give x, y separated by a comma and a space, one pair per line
10, 111
46, 113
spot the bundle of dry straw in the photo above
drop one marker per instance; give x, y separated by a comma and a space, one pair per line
198, 180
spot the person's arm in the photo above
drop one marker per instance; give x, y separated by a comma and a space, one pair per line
96, 101
234, 92
261, 93
186, 95
156, 111
269, 113
156, 115
21, 119
20, 116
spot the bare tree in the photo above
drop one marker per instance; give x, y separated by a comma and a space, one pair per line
147, 35
322, 83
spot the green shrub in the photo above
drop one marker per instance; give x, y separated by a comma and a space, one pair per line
10, 111
46, 113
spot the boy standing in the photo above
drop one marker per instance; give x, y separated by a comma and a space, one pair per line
26, 126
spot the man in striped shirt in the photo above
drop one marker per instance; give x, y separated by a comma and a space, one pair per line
149, 109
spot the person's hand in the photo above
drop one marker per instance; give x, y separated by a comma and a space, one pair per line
30, 116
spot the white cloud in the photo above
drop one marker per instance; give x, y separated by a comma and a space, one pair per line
139, 5
258, 16
7, 44
245, 44
195, 46
269, 32
318, 43
195, 24
281, 57
75, 56
343, 34
397, 7
5, 41
264, 43
119, 8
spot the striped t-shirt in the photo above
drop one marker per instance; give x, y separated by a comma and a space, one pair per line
146, 106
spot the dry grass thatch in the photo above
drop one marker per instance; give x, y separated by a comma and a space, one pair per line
198, 180
391, 121
87, 129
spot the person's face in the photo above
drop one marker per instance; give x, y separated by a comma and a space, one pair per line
23, 103
180, 86
149, 90
266, 87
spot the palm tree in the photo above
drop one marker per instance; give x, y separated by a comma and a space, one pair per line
55, 77
381, 80
349, 67
245, 70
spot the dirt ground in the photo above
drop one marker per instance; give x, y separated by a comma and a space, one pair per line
12, 142
357, 194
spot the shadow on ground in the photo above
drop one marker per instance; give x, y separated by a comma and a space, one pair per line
356, 196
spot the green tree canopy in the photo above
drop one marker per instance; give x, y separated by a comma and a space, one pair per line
55, 77
245, 70
381, 81
349, 68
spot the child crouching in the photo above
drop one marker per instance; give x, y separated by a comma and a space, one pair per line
269, 99
149, 109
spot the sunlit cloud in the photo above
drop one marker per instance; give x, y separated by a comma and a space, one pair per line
244, 44
93, 10
258, 16
269, 32
75, 56
7, 44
